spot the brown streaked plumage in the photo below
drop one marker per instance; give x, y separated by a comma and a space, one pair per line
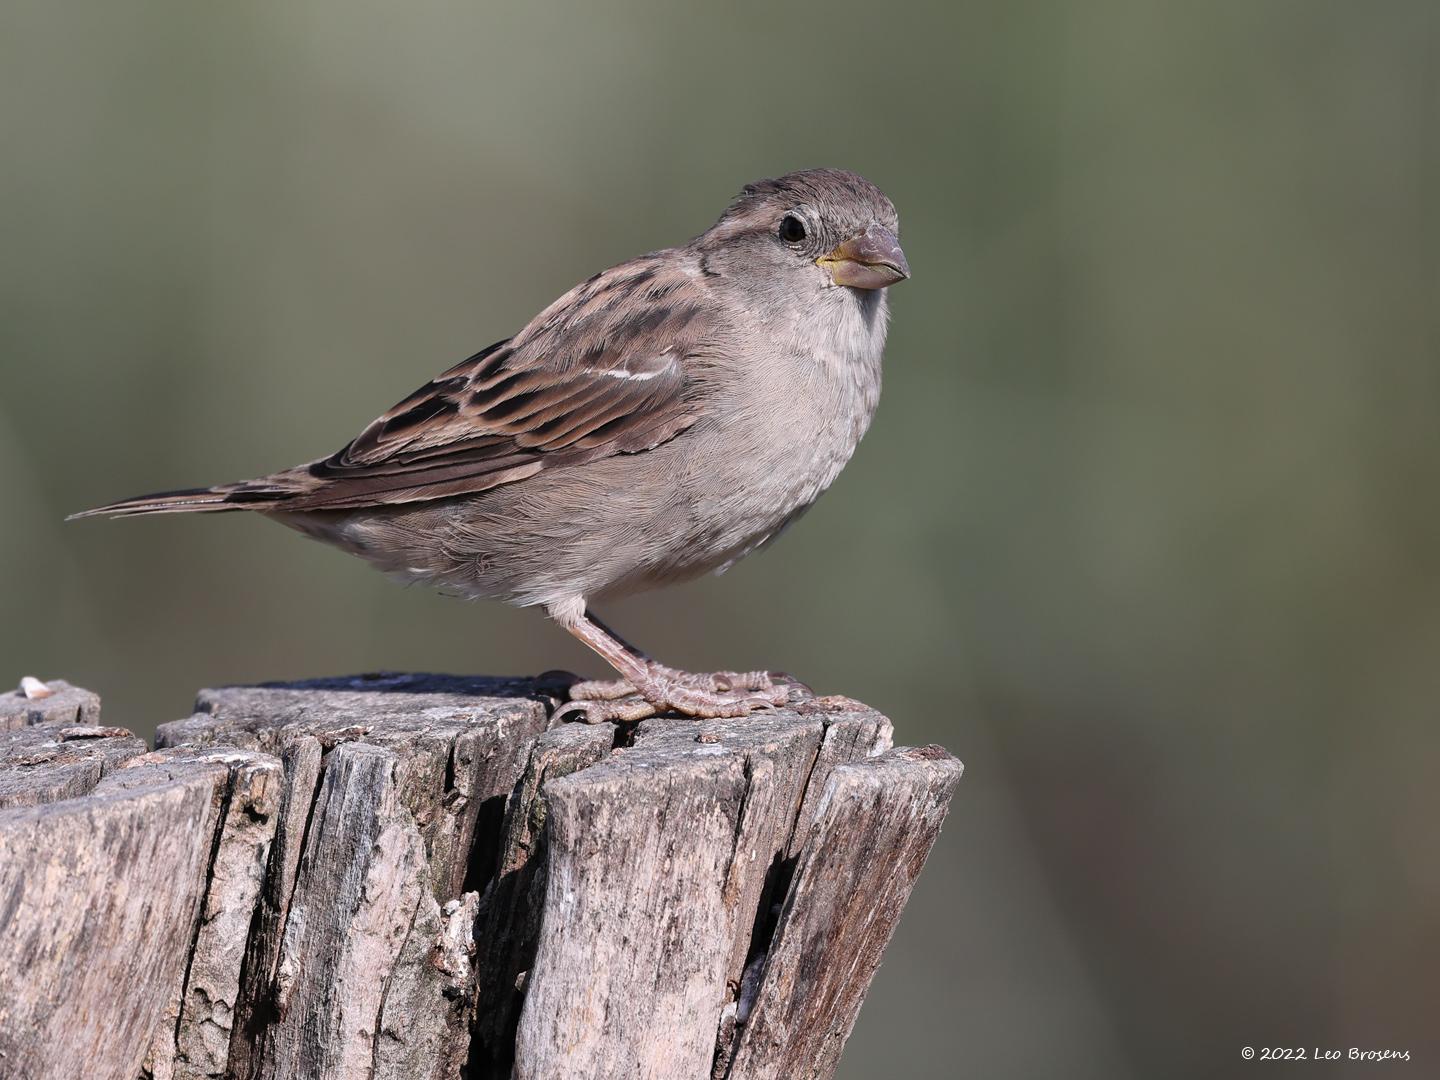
662, 419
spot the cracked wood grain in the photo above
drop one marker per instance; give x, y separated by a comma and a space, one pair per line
357, 890
48, 762
636, 933
665, 919
874, 826
513, 906
416, 876
440, 754
65, 705
459, 743
194, 1042
255, 1005
98, 897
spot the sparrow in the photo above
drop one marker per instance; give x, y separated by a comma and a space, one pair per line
659, 421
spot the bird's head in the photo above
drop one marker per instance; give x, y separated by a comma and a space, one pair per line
821, 228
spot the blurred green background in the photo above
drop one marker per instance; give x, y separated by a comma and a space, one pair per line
1146, 530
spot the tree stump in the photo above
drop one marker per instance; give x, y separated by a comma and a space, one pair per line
419, 876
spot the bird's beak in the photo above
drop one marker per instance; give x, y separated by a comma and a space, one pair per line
868, 260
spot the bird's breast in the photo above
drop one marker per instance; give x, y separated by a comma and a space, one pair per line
805, 401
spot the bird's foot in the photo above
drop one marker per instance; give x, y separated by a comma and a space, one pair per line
719, 682
705, 696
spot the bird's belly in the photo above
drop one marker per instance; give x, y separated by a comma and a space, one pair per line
737, 501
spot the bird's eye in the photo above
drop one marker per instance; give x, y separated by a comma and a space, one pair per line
792, 229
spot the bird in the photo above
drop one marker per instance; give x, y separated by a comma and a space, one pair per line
659, 421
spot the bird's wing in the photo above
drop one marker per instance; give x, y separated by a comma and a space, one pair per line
604, 370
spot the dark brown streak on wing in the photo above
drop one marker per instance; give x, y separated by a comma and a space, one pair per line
602, 371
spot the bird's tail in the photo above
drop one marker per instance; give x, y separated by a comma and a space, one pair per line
242, 496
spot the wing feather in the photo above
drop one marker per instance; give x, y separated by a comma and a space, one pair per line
604, 370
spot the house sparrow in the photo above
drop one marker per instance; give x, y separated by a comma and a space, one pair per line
661, 420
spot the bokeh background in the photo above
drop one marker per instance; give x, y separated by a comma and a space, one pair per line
1146, 530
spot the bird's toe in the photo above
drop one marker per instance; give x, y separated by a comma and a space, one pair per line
623, 710
602, 690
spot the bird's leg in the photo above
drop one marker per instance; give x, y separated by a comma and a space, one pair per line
647, 688
718, 681
607, 689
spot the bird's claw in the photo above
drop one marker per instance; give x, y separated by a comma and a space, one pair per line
600, 702
624, 710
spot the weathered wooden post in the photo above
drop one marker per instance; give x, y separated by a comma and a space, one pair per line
417, 876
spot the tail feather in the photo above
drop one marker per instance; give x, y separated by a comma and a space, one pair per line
188, 501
